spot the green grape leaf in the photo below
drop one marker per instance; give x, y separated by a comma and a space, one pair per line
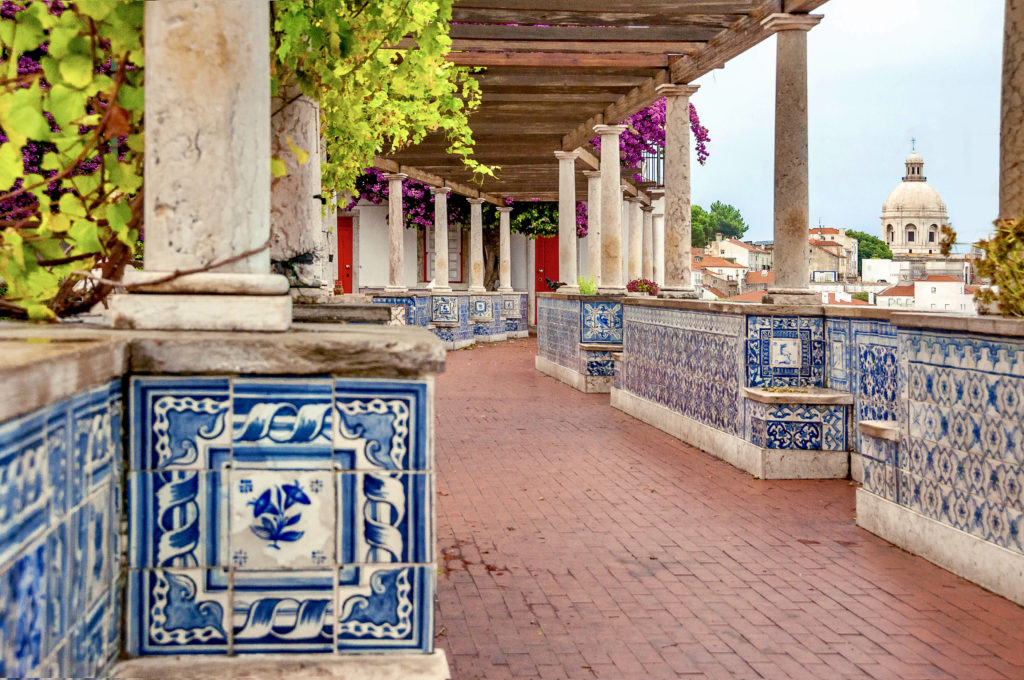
76, 70
85, 236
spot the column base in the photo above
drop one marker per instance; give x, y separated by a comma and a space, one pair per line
223, 283
678, 294
271, 313
791, 296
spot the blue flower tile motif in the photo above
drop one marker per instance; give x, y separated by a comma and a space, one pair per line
286, 519
510, 306
385, 609
180, 611
601, 322
444, 308
381, 425
180, 423
480, 307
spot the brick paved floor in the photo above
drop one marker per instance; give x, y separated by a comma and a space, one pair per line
577, 542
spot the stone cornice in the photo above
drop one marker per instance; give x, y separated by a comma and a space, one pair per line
790, 22
609, 129
669, 90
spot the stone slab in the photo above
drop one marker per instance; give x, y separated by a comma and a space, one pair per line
856, 467
801, 299
270, 313
749, 308
342, 313
288, 666
806, 395
496, 337
989, 565
986, 325
234, 283
307, 349
42, 370
881, 429
762, 463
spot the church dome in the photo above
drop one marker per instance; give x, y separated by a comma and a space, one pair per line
915, 197
914, 214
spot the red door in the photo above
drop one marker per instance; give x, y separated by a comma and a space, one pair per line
546, 263
345, 253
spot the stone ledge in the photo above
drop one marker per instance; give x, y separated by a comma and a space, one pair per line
880, 429
288, 667
808, 395
859, 312
989, 565
601, 347
746, 308
308, 349
985, 325
43, 369
600, 297
342, 313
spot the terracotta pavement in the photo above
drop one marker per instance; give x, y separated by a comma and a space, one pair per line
577, 542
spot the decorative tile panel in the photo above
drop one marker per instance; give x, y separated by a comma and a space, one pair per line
689, 362
283, 423
60, 472
804, 427
596, 363
601, 322
414, 310
558, 331
445, 308
481, 307
785, 351
510, 306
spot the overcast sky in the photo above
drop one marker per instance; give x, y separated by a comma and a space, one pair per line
880, 72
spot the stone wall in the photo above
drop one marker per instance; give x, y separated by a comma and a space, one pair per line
576, 336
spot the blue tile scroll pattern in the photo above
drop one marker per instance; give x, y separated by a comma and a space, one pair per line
689, 362
601, 322
785, 351
558, 331
415, 308
300, 518
453, 312
804, 427
963, 458
60, 513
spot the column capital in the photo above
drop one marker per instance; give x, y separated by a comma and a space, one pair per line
609, 129
505, 209
440, 190
790, 22
476, 201
592, 174
633, 199
567, 155
646, 207
656, 193
670, 90
391, 176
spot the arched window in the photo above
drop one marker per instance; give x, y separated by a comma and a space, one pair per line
890, 233
933, 233
910, 233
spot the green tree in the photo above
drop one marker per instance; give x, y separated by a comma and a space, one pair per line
869, 247
726, 220
700, 223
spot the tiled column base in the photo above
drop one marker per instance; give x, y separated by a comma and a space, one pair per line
989, 565
287, 667
758, 461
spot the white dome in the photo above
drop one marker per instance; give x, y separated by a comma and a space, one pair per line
914, 197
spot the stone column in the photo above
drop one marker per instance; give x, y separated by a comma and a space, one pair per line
636, 238
295, 211
567, 221
677, 226
207, 173
791, 261
611, 210
441, 239
1011, 132
648, 241
594, 224
476, 245
531, 281
396, 234
505, 250
658, 239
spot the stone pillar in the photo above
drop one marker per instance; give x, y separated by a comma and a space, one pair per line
677, 226
567, 221
396, 234
791, 259
1011, 133
295, 211
441, 239
531, 281
504, 250
476, 246
648, 241
594, 224
611, 210
658, 249
207, 173
636, 238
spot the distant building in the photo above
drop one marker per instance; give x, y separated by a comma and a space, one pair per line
914, 214
747, 254
935, 293
758, 280
850, 249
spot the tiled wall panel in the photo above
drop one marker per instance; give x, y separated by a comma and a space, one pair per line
286, 514
558, 331
60, 514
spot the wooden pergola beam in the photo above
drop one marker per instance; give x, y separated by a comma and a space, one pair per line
505, 33
388, 165
573, 17
558, 59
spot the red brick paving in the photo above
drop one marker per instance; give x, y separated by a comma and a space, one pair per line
577, 542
